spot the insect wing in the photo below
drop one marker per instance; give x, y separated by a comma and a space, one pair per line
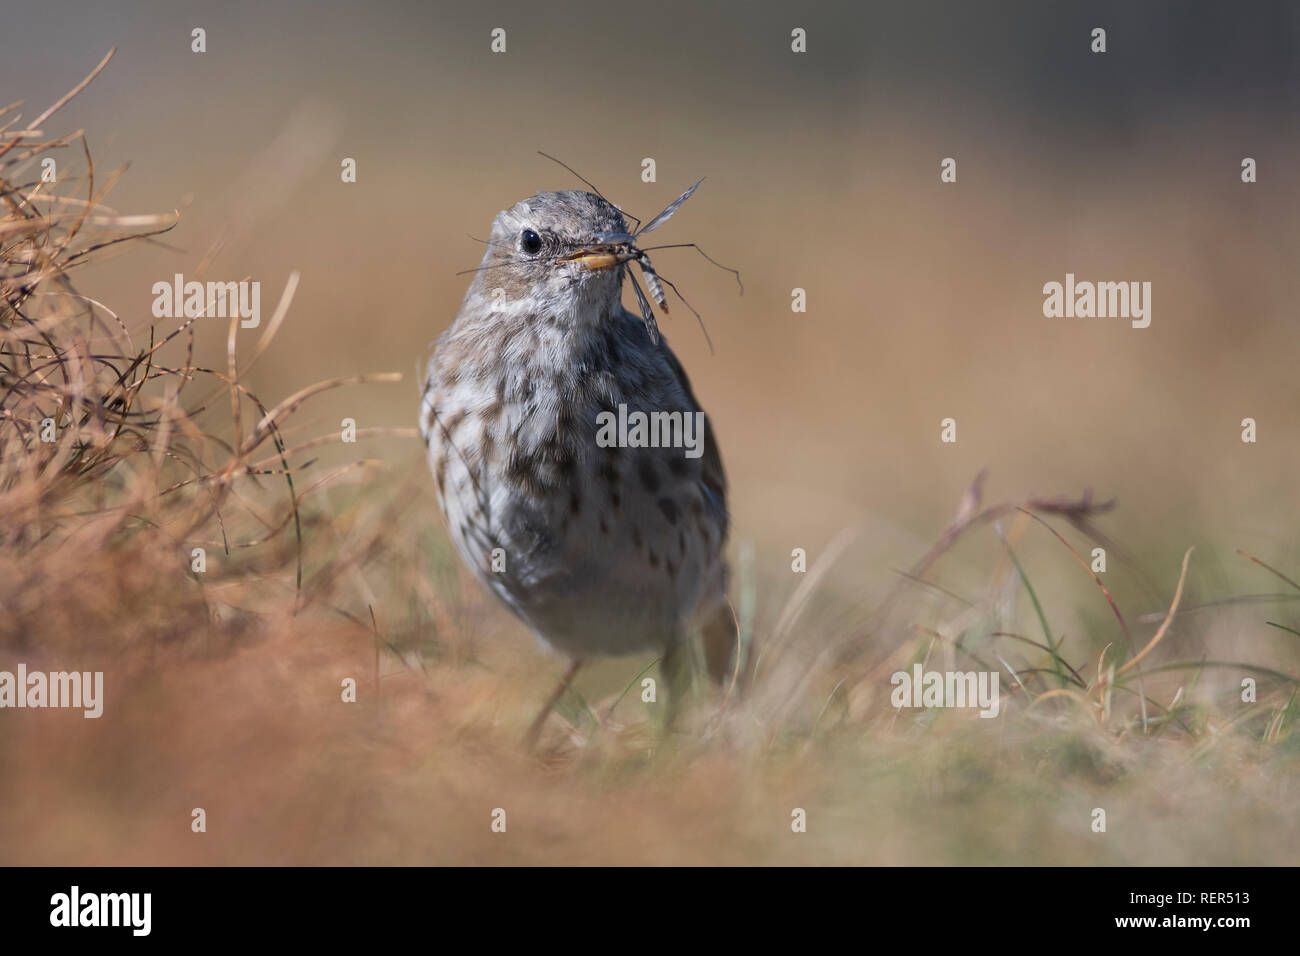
667, 214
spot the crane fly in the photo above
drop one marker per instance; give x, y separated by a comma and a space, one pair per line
623, 248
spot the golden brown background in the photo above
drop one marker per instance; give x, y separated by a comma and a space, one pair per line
924, 298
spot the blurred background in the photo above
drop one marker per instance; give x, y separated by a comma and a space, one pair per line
924, 299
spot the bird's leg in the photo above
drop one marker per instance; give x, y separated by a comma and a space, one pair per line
677, 668
530, 739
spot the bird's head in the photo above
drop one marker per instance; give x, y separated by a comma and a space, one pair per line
565, 249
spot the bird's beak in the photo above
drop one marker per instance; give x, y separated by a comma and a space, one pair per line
596, 258
605, 252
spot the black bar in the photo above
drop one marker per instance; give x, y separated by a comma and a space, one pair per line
949, 906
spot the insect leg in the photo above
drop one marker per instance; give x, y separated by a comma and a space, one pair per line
647, 316
691, 245
692, 308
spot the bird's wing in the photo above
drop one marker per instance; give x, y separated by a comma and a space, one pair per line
727, 663
712, 475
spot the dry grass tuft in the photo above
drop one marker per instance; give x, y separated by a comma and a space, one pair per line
119, 453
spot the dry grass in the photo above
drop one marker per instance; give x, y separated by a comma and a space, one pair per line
113, 469
223, 688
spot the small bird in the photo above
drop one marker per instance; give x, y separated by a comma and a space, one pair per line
600, 547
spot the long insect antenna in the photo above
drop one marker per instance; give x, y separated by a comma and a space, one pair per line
486, 242
466, 272
691, 245
591, 185
693, 312
647, 316
502, 265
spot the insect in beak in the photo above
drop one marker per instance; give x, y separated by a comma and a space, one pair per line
612, 250
605, 252
609, 250
595, 258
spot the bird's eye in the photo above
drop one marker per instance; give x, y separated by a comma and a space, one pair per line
530, 242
